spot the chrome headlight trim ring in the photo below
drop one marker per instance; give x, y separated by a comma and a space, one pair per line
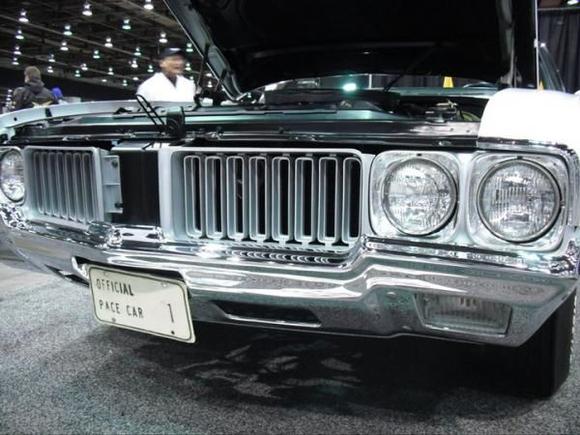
3, 154
558, 203
454, 195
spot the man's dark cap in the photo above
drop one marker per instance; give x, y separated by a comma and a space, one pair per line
171, 51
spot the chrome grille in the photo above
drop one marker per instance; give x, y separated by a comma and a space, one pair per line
63, 185
284, 198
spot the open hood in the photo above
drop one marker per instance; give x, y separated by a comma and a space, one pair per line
251, 43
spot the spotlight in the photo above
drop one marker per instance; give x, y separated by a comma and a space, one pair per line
15, 61
150, 68
63, 46
77, 73
187, 66
17, 51
163, 38
124, 82
67, 31
110, 71
19, 35
84, 67
96, 54
23, 18
126, 24
134, 64
87, 12
49, 69
189, 47
148, 5
104, 80
137, 52
109, 42
51, 58
135, 79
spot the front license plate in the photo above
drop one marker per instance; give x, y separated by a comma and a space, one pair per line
142, 303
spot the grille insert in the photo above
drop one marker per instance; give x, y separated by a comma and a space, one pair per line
64, 185
283, 198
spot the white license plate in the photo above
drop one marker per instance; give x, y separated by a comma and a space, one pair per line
142, 303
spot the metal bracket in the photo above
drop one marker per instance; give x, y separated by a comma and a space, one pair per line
111, 179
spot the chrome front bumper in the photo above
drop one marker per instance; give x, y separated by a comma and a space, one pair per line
370, 291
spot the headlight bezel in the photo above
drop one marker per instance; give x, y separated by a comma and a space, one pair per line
389, 161
549, 239
4, 152
555, 212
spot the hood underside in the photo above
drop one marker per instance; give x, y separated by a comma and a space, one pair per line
250, 43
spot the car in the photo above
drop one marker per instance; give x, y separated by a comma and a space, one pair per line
388, 168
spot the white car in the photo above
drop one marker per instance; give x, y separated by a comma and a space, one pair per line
406, 177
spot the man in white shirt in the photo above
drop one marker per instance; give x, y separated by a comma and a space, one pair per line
169, 84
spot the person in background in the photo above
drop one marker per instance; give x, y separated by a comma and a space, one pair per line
57, 92
33, 93
169, 84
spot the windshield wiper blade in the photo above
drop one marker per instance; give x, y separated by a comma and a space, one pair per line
416, 62
151, 113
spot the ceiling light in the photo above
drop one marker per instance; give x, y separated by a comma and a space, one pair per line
15, 61
109, 42
126, 24
209, 84
134, 64
148, 5
51, 58
572, 2
84, 67
23, 18
49, 69
19, 34
67, 31
135, 79
77, 73
87, 12
96, 54
163, 38
63, 46
137, 52
150, 68
124, 82
187, 66
349, 87
17, 51
104, 80
111, 71
208, 74
189, 48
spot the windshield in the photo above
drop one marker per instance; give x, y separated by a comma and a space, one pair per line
350, 83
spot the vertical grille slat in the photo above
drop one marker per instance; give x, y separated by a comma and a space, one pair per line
351, 192
64, 185
283, 198
237, 195
259, 198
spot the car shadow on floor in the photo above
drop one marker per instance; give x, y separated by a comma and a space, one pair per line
410, 375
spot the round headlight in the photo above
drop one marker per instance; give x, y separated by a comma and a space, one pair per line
518, 201
12, 176
419, 196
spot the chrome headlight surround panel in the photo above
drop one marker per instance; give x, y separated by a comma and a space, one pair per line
5, 198
383, 165
485, 165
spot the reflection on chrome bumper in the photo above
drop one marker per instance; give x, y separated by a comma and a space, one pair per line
371, 290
